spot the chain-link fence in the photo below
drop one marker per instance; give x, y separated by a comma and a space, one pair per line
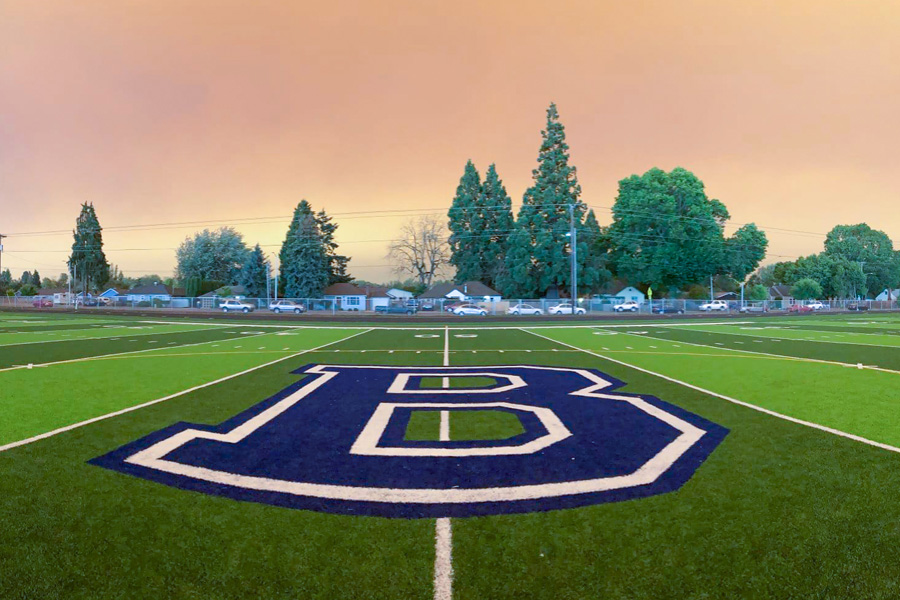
456, 307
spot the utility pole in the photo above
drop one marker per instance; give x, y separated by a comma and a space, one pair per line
573, 254
1, 251
268, 281
711, 288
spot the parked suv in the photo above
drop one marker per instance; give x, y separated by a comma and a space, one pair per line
396, 309
629, 305
280, 306
230, 305
719, 305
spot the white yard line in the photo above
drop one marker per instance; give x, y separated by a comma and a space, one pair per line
790, 339
118, 334
772, 413
781, 356
115, 354
443, 530
48, 434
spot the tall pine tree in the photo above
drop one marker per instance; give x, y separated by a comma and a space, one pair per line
496, 226
88, 260
254, 273
465, 227
337, 264
543, 220
304, 258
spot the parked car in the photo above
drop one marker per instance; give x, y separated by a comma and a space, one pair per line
629, 305
230, 305
754, 308
396, 309
565, 309
857, 306
799, 308
719, 305
524, 309
667, 310
469, 309
426, 306
280, 306
42, 302
816, 305
452, 306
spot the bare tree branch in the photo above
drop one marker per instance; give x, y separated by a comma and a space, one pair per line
422, 249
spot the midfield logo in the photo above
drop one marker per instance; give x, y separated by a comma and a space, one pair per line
343, 440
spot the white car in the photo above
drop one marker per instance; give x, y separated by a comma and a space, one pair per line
524, 309
230, 305
280, 306
469, 309
816, 305
565, 309
720, 305
627, 305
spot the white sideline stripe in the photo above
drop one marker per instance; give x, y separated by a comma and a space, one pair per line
118, 334
439, 327
782, 356
103, 356
443, 530
48, 434
772, 413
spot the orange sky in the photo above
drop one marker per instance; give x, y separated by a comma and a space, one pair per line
171, 111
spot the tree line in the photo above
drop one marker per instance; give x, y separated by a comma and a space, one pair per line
665, 231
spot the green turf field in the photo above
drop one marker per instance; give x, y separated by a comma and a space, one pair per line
798, 501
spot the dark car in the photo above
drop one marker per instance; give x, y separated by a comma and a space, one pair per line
667, 310
857, 306
396, 309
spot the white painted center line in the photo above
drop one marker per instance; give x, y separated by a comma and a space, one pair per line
443, 531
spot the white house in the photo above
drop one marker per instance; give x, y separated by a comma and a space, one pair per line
631, 293
470, 291
346, 296
883, 296
382, 296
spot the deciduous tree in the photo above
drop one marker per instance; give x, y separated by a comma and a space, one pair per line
422, 249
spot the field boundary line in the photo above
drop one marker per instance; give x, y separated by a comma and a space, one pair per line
129, 409
766, 411
101, 338
789, 357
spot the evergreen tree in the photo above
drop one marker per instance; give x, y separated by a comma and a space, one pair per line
254, 274
6, 280
304, 258
36, 279
592, 255
337, 264
88, 258
466, 225
25, 279
516, 280
496, 226
544, 216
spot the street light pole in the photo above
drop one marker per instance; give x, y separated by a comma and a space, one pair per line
573, 254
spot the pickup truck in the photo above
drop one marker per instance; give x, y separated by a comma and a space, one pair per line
396, 309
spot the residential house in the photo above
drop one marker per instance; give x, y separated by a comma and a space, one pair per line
346, 296
383, 296
58, 295
631, 293
781, 293
892, 295
149, 293
470, 291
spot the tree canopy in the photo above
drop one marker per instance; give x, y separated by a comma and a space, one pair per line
667, 232
305, 263
215, 255
872, 249
255, 273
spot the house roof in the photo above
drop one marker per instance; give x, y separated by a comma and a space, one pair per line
344, 289
153, 289
780, 291
51, 291
376, 291
469, 288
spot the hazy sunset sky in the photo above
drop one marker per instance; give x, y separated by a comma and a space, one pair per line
212, 111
